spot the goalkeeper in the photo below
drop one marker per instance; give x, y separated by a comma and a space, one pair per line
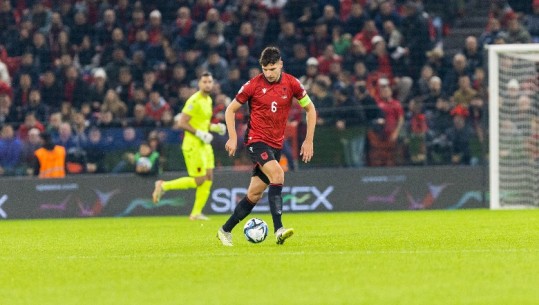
197, 150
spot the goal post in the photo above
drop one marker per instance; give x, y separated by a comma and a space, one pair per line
513, 125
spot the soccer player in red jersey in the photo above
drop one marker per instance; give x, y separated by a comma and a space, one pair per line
269, 97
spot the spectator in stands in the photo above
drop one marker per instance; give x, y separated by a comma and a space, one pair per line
344, 115
118, 41
319, 40
329, 17
324, 100
516, 33
10, 151
287, 39
211, 24
459, 135
127, 145
384, 145
112, 103
4, 73
465, 93
394, 39
57, 37
95, 149
139, 118
341, 41
7, 110
85, 53
150, 81
366, 35
233, 82
65, 137
247, 37
371, 115
386, 12
75, 90
183, 29
106, 120
98, 88
477, 118
112, 68
458, 68
416, 36
356, 20
434, 92
36, 106
145, 160
80, 29
473, 53
28, 66
309, 75
21, 94
421, 86
416, 131
201, 9
296, 64
53, 124
40, 15
244, 60
491, 32
531, 21
356, 53
438, 61
155, 27
216, 65
8, 19
125, 87
156, 105
328, 58
30, 121
103, 30
439, 121
41, 51
28, 149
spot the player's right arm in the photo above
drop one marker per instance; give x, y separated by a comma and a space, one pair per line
230, 119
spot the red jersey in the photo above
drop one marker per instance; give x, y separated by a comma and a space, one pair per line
269, 104
393, 111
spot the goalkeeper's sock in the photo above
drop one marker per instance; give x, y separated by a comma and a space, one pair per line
182, 183
244, 208
201, 197
276, 204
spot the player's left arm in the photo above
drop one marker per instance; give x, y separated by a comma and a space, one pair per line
307, 148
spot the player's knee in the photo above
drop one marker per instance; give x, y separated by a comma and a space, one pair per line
254, 197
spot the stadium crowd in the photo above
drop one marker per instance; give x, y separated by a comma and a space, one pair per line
102, 76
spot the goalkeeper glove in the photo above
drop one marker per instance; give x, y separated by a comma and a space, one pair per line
219, 128
206, 137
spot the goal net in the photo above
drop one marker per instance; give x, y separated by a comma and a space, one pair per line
514, 126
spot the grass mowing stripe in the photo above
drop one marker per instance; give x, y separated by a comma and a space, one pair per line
281, 253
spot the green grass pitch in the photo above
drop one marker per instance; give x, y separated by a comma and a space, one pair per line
424, 257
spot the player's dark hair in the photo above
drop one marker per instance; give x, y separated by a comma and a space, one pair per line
206, 74
269, 56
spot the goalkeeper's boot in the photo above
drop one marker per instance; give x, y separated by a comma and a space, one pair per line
224, 237
199, 217
157, 191
283, 234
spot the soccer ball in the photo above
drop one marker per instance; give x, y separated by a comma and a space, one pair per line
255, 230
145, 163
